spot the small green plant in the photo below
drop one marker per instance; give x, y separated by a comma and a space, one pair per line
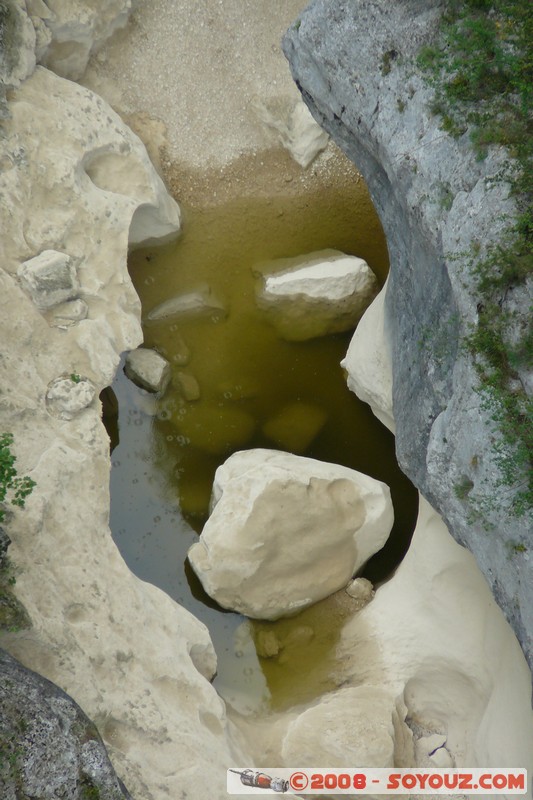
402, 105
74, 377
12, 486
386, 61
515, 548
463, 488
446, 196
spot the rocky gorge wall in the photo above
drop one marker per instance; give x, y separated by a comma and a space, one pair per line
355, 66
77, 188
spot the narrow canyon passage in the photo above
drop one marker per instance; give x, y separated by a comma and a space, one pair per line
251, 389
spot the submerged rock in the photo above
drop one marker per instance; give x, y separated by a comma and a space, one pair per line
295, 426
188, 386
147, 369
286, 531
199, 301
214, 429
315, 294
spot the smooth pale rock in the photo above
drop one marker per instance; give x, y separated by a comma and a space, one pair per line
434, 636
295, 426
49, 278
350, 726
147, 369
294, 127
199, 301
77, 29
286, 531
315, 294
368, 362
68, 395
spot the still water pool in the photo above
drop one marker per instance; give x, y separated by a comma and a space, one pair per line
246, 381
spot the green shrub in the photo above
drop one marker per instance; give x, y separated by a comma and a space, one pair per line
12, 487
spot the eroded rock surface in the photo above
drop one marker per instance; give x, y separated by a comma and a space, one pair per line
77, 181
286, 531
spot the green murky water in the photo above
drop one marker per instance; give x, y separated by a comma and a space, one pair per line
251, 389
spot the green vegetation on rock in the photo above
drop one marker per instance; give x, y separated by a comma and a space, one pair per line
481, 68
16, 489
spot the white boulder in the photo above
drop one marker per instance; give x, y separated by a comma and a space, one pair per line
315, 294
368, 362
294, 127
147, 369
287, 531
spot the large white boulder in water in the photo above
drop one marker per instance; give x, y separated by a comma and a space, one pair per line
286, 531
315, 294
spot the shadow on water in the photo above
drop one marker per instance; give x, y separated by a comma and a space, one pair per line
247, 379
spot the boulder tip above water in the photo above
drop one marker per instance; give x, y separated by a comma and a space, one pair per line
286, 531
147, 369
315, 294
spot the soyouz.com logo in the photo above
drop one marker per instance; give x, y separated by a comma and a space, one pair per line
377, 781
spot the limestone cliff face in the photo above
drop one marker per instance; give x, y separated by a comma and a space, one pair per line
354, 64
